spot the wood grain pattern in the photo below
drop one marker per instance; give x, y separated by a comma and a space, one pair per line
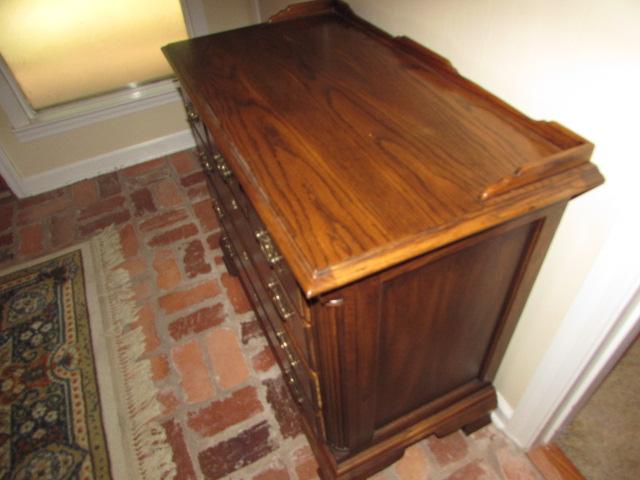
386, 217
324, 111
553, 463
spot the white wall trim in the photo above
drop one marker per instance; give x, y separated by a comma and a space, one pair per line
107, 162
600, 320
257, 12
503, 413
194, 17
11, 176
85, 112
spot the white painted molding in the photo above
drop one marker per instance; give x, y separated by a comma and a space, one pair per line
11, 176
114, 160
257, 12
595, 327
194, 17
85, 112
503, 413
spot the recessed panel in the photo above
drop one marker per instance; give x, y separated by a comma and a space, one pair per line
439, 319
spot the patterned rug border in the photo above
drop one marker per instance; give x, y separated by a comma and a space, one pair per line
137, 443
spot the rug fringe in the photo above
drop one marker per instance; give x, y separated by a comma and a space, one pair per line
154, 457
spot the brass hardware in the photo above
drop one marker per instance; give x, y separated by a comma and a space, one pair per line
225, 244
267, 247
219, 210
223, 168
192, 116
294, 387
279, 301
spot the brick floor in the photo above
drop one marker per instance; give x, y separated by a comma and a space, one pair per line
226, 412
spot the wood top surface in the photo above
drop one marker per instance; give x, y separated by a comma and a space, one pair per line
359, 150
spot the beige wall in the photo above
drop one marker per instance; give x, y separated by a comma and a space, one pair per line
577, 62
44, 154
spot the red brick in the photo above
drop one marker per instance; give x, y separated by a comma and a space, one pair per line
6, 216
264, 360
476, 470
146, 320
141, 291
62, 230
213, 241
141, 168
250, 329
6, 239
101, 207
31, 239
199, 191
129, 241
192, 179
142, 202
274, 472
41, 198
206, 215
189, 361
237, 452
285, 410
184, 162
36, 213
181, 457
167, 272
413, 465
515, 465
175, 301
108, 185
169, 400
115, 218
236, 294
197, 321
172, 236
226, 357
305, 463
164, 220
166, 193
449, 449
134, 266
159, 367
84, 193
194, 261
221, 414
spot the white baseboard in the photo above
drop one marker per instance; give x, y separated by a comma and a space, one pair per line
11, 176
502, 415
92, 167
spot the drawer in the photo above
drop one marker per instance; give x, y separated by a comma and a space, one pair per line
239, 201
302, 381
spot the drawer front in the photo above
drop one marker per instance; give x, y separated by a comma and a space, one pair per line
302, 381
274, 275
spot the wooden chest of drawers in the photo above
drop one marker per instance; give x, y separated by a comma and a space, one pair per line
386, 216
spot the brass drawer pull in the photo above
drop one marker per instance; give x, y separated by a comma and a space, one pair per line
204, 161
225, 244
223, 168
219, 210
279, 300
267, 247
192, 116
294, 387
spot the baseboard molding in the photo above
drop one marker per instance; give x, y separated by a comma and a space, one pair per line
98, 165
502, 414
11, 176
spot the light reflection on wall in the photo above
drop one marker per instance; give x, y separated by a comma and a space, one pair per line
62, 50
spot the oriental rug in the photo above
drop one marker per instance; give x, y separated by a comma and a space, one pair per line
76, 398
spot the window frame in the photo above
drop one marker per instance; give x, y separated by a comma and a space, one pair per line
29, 124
